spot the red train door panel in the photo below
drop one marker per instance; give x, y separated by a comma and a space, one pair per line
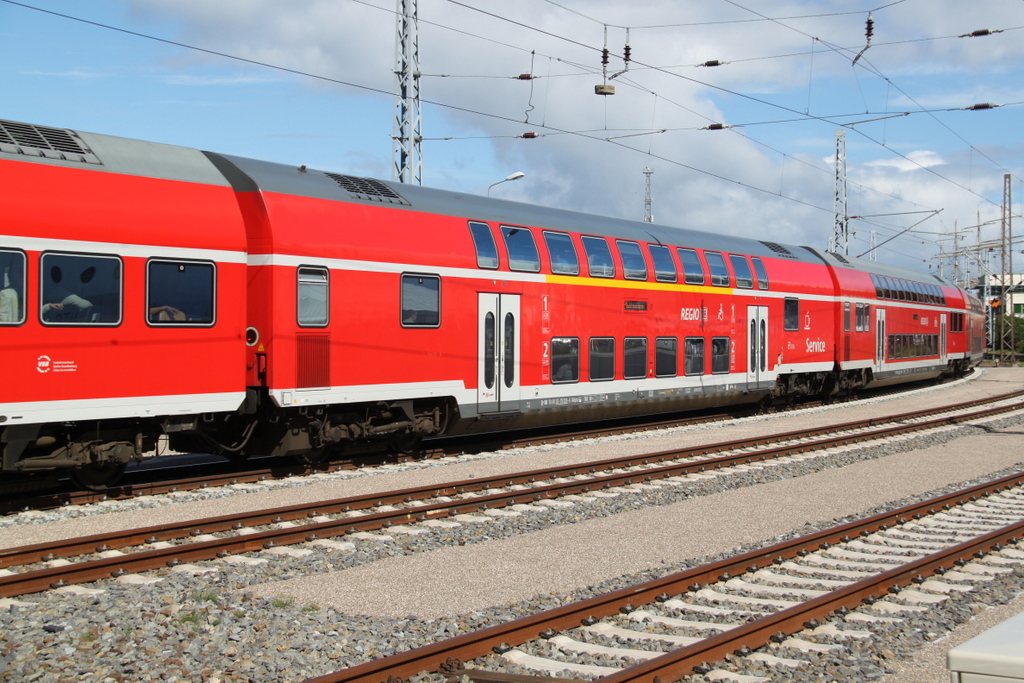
880, 339
942, 338
757, 345
498, 388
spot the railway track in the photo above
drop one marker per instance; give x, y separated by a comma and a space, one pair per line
44, 566
763, 611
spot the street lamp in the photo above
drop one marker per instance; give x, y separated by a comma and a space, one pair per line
515, 176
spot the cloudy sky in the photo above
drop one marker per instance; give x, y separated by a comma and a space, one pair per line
311, 82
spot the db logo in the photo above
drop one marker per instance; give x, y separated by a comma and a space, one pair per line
43, 364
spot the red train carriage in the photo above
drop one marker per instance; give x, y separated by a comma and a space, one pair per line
251, 307
125, 270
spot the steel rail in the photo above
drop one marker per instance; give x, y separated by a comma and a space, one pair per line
41, 579
681, 662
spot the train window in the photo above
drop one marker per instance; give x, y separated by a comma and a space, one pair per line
915, 291
693, 271
741, 268
846, 316
565, 360
483, 240
693, 355
791, 314
602, 359
522, 250
599, 257
509, 350
665, 363
564, 260
867, 317
719, 272
664, 266
489, 350
878, 285
180, 292
634, 267
888, 287
80, 289
762, 274
314, 296
719, 355
421, 300
12, 287
634, 358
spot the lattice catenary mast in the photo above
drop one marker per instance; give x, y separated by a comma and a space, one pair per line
839, 243
648, 201
407, 138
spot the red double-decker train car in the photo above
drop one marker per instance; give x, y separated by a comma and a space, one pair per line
237, 306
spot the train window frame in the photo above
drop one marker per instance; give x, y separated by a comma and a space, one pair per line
560, 266
605, 376
719, 271
744, 276
791, 314
163, 314
45, 307
666, 350
600, 248
521, 247
484, 245
889, 287
634, 366
13, 295
876, 281
629, 253
717, 355
761, 272
661, 256
409, 316
572, 364
689, 257
316, 277
691, 359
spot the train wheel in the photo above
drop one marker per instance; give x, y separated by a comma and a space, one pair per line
406, 444
97, 477
315, 456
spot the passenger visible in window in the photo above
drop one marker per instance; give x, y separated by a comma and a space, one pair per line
64, 308
11, 279
165, 313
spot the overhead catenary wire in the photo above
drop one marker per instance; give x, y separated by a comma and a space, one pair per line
440, 104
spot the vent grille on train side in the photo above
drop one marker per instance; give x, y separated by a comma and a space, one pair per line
51, 143
367, 188
779, 249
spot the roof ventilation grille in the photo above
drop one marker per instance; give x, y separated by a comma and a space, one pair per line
779, 249
51, 143
367, 188
839, 257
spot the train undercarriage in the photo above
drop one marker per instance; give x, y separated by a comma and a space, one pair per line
95, 453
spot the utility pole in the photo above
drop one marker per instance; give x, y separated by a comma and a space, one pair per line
407, 138
648, 201
840, 240
1007, 317
873, 244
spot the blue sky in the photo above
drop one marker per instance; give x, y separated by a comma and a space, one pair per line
786, 84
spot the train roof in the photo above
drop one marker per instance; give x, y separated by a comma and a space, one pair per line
65, 147
78, 149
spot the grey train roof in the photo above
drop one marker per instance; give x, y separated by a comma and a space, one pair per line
69, 148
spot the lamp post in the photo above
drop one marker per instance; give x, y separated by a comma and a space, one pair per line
515, 176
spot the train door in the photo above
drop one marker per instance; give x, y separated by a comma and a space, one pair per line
498, 353
757, 345
880, 339
942, 338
